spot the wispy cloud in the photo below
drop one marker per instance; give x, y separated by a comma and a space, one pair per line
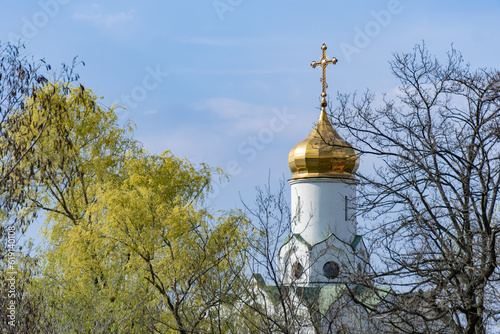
230, 108
234, 131
211, 41
244, 42
237, 118
237, 71
98, 18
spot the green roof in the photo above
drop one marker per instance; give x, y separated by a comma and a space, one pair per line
299, 238
355, 242
322, 297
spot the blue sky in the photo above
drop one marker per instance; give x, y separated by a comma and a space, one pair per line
229, 82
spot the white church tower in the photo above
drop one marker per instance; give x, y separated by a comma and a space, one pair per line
324, 245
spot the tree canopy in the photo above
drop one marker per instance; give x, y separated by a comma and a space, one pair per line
433, 196
131, 246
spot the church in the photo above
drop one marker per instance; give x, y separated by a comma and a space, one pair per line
323, 248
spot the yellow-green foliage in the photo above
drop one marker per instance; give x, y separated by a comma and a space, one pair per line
130, 245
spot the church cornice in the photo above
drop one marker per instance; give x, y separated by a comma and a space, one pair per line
354, 243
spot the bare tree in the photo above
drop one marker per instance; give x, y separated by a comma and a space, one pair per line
432, 198
267, 309
272, 302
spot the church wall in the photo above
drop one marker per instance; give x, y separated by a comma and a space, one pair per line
313, 259
319, 208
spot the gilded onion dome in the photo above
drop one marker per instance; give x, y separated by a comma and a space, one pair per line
323, 154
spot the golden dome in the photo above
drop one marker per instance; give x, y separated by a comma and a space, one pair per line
323, 153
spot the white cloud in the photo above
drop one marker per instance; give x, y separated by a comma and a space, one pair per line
190, 141
211, 41
239, 71
231, 123
98, 18
230, 108
234, 117
242, 41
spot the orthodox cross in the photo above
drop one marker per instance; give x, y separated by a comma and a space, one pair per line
324, 62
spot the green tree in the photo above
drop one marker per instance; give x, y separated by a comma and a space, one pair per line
20, 77
78, 144
130, 245
191, 257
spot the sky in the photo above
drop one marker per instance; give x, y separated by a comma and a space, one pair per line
229, 82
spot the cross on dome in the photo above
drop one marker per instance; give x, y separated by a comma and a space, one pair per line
324, 62
323, 153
